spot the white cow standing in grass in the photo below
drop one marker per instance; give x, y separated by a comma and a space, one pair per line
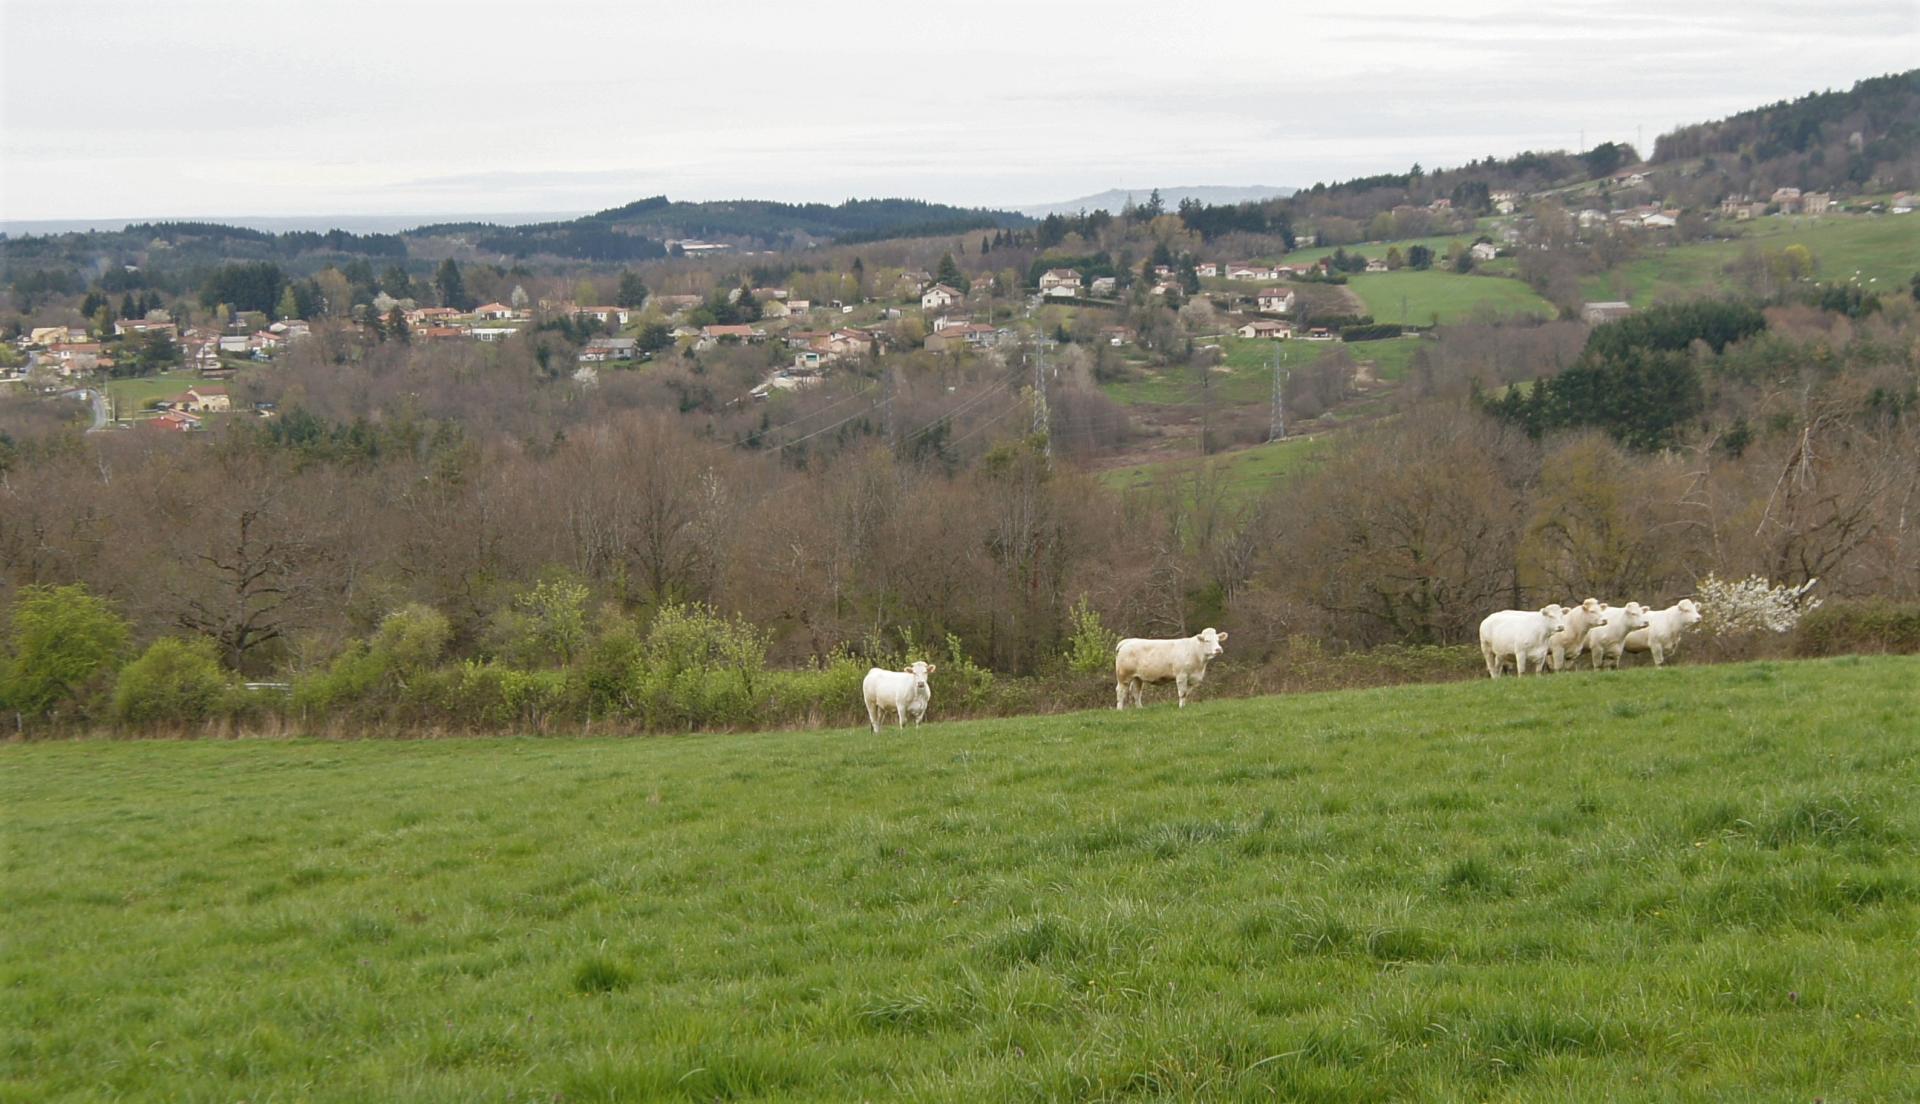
1567, 644
1661, 636
1521, 635
903, 692
1183, 662
1605, 641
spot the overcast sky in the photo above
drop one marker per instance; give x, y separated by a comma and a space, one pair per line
295, 107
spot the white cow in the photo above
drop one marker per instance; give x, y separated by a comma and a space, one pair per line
1566, 645
1182, 662
904, 692
1661, 636
1521, 635
1604, 642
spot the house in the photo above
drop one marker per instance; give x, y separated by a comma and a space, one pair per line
1275, 300
1116, 335
172, 421
618, 316
1484, 251
492, 333
852, 343
1104, 287
494, 312
1207, 269
239, 344
439, 333
939, 297
602, 349
46, 336
1596, 313
1061, 291
972, 334
142, 327
430, 316
293, 329
1252, 272
1055, 278
1816, 203
1590, 217
1268, 329
799, 306
205, 399
1630, 178
1321, 333
1659, 220
66, 352
264, 343
1504, 202
1787, 199
1375, 264
774, 308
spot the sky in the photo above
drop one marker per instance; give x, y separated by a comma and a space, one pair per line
184, 108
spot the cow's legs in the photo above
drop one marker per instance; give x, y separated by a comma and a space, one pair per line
1120, 694
873, 716
1659, 656
1180, 686
1493, 661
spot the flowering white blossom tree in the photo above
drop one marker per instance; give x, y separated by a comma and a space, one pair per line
1731, 607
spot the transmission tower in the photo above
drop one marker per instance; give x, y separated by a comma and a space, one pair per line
1042, 423
1279, 427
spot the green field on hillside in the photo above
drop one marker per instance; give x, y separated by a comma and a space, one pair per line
1244, 375
1245, 472
1692, 884
1881, 251
131, 395
1418, 297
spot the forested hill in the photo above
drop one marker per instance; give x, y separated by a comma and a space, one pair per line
641, 229
1866, 138
636, 231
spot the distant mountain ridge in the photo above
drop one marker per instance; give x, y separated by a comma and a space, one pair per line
1113, 199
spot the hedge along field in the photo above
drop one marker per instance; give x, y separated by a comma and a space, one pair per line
1683, 884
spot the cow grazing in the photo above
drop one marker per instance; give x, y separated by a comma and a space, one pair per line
1182, 662
1605, 641
1566, 645
1522, 635
1661, 636
906, 693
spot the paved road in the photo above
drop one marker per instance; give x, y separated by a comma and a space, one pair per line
99, 400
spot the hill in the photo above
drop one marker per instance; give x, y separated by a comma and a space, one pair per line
1865, 138
641, 229
1114, 199
1573, 888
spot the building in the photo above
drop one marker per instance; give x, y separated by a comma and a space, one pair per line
1056, 278
940, 297
1484, 251
205, 399
1275, 300
1596, 313
602, 349
1268, 329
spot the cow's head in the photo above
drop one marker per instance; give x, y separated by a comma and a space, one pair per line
1593, 605
1689, 613
920, 670
1556, 615
1636, 615
1210, 642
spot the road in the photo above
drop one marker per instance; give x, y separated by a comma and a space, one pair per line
99, 400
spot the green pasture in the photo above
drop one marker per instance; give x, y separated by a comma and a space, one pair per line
1881, 251
1690, 884
1243, 473
1414, 297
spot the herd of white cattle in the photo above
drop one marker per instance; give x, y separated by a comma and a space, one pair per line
1556, 635
1528, 640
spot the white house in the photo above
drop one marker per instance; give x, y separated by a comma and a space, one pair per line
1275, 300
1268, 329
1484, 251
939, 297
1054, 278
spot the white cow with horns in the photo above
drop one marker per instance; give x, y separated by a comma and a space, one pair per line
1521, 635
903, 693
1182, 662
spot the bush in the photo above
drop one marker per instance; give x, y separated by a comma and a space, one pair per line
65, 642
174, 682
1377, 331
700, 668
1090, 643
1840, 628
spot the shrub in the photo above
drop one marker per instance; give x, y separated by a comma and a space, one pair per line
174, 682
65, 641
699, 668
546, 625
411, 638
1376, 331
1090, 643
1729, 608
1860, 626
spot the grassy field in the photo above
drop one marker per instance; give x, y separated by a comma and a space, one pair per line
1692, 884
1418, 297
1882, 251
131, 396
1247, 376
1245, 472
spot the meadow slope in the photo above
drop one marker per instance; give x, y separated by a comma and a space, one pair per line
1689, 884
